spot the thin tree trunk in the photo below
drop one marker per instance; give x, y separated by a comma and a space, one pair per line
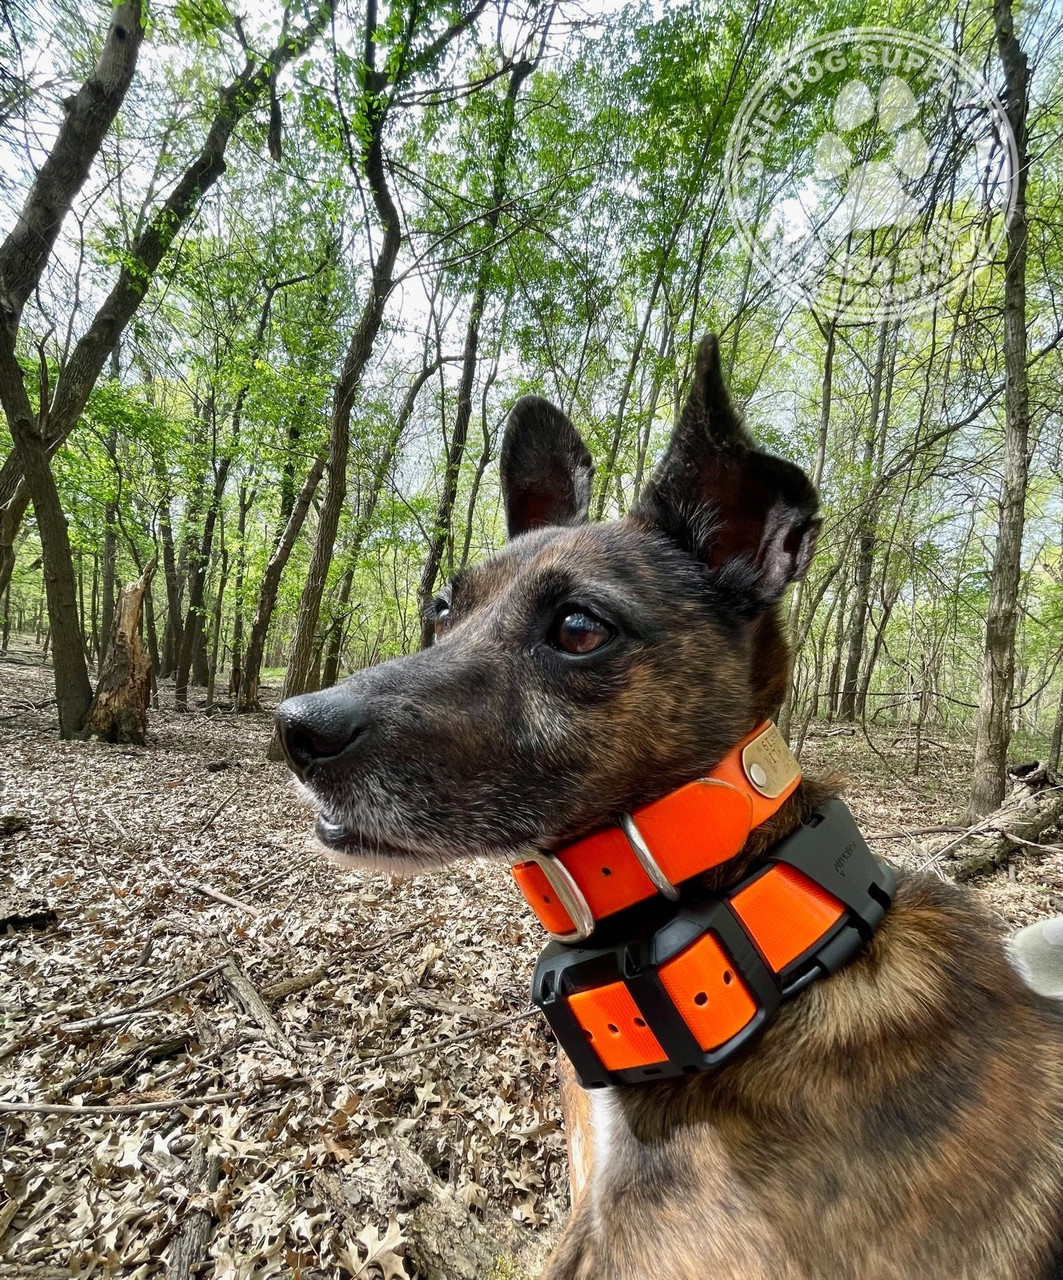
1057, 735
993, 727
483, 462
796, 600
834, 683
247, 698
93, 645
334, 644
288, 472
110, 552
7, 620
199, 562
216, 625
152, 635
110, 526
867, 537
246, 501
170, 641
81, 592
441, 528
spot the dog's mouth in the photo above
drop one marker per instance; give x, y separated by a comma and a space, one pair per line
354, 846
379, 840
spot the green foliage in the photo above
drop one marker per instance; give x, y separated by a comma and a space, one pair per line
609, 254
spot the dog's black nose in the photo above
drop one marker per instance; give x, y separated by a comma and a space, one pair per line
319, 726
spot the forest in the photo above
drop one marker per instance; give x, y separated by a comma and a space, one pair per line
272, 277
296, 265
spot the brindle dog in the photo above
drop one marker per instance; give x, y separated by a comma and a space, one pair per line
903, 1118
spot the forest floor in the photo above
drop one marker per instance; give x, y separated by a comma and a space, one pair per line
316, 1155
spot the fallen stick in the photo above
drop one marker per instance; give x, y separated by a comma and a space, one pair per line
243, 989
916, 831
447, 1042
218, 896
113, 1108
218, 810
1032, 844
122, 1015
152, 1049
292, 986
117, 825
190, 1242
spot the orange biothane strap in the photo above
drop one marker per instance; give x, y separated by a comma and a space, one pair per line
711, 998
694, 828
615, 1027
784, 912
704, 974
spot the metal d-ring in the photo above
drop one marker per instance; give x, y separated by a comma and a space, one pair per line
647, 861
569, 894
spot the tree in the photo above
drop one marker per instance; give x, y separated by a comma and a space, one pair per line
23, 257
993, 727
37, 436
378, 88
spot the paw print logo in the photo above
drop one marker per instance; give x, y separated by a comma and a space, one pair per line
874, 190
841, 218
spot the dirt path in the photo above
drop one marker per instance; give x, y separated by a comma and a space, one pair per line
447, 1163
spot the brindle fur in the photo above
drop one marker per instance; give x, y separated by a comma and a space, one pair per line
902, 1119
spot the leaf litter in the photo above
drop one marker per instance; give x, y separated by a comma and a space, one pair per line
172, 947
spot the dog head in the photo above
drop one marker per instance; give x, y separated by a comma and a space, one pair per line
582, 671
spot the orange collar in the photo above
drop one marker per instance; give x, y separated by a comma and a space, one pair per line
679, 988
656, 848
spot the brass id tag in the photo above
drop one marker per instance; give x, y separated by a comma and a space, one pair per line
769, 763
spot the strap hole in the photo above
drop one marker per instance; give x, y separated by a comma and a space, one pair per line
701, 998
547, 898
640, 1022
607, 871
728, 976
614, 1029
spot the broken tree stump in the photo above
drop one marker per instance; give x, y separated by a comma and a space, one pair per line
119, 710
1033, 808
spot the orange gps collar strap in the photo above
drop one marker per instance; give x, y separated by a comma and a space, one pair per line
673, 989
656, 848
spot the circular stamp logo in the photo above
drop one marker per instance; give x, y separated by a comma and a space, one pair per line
871, 174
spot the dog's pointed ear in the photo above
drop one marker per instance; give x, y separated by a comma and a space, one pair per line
546, 468
723, 499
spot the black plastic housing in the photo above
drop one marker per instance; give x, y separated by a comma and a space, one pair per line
828, 848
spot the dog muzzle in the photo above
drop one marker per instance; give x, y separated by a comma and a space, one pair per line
648, 978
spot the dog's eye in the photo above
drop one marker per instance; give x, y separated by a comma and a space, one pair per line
442, 616
578, 632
